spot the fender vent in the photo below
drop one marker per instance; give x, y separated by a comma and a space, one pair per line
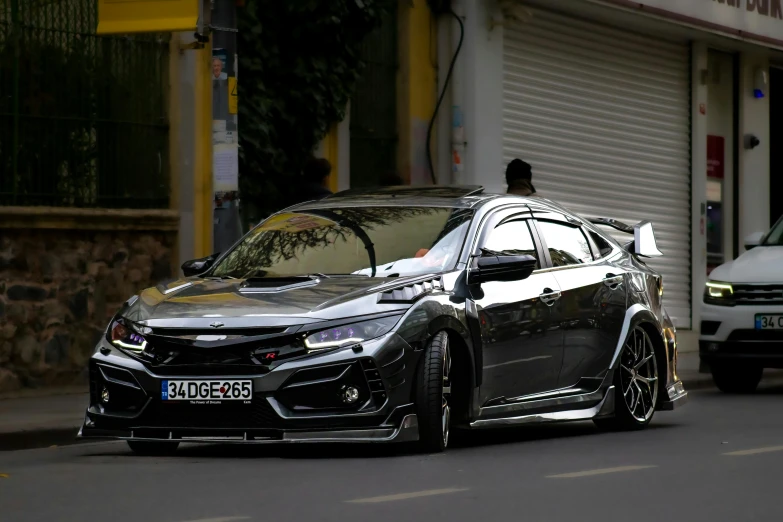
411, 292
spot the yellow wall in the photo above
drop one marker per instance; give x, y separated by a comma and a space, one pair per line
329, 150
416, 87
202, 168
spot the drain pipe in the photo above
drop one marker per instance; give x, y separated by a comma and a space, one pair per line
457, 96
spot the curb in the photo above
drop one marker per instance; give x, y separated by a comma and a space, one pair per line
38, 438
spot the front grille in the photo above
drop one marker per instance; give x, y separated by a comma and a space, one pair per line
756, 336
758, 294
181, 357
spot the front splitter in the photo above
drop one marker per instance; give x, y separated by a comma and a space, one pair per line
408, 431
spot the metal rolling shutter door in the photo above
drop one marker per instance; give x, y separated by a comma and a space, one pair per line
603, 115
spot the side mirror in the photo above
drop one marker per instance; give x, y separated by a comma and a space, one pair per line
753, 240
644, 243
502, 268
195, 267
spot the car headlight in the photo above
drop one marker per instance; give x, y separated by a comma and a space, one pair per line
350, 334
719, 293
125, 337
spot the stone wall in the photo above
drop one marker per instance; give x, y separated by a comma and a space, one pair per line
63, 276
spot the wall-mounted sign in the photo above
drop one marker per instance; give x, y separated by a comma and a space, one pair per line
752, 19
147, 16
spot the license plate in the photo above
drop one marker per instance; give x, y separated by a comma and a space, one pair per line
769, 322
207, 391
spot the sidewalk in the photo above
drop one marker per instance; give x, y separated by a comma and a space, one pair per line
40, 418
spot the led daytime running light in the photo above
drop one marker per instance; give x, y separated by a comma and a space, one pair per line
719, 289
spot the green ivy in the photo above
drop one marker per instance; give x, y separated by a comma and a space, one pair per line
299, 61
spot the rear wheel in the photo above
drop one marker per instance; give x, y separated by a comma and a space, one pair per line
433, 395
636, 384
153, 448
736, 378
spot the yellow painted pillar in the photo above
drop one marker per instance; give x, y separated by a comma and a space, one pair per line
416, 89
330, 151
202, 167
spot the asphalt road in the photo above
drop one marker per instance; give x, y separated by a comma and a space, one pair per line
719, 458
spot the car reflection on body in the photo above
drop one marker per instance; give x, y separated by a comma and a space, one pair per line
392, 315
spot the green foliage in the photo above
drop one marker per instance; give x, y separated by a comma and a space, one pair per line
299, 61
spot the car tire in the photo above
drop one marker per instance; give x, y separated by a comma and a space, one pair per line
736, 379
153, 448
636, 384
433, 393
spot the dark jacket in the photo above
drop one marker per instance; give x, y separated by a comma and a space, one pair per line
522, 188
311, 191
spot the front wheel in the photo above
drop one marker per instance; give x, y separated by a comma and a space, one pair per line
738, 378
636, 384
153, 448
433, 395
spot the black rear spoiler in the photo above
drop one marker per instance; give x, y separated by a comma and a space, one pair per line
643, 243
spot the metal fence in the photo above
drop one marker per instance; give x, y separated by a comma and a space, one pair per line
82, 117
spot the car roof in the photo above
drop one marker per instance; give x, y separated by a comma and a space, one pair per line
444, 196
448, 196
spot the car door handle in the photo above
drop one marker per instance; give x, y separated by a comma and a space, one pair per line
550, 296
613, 281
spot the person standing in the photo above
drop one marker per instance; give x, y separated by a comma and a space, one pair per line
519, 178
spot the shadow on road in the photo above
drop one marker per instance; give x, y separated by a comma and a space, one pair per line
461, 441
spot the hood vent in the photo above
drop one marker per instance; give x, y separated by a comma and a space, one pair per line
270, 285
412, 291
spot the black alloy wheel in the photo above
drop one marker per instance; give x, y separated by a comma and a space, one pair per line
636, 383
433, 395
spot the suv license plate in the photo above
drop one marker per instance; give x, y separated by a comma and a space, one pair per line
206, 390
769, 322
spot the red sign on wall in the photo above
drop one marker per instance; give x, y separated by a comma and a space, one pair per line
716, 150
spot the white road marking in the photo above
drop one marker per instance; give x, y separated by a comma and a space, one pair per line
406, 496
756, 451
602, 471
220, 519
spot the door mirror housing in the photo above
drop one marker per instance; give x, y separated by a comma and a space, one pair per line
502, 268
195, 267
753, 240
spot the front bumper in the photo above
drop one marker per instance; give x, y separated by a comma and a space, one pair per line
295, 402
728, 334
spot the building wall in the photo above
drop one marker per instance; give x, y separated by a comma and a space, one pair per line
63, 275
754, 164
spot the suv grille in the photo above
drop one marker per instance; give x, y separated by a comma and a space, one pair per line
758, 294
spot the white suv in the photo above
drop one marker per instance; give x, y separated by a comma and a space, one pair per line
742, 315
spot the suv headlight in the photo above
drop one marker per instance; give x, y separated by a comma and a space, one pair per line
718, 293
350, 334
122, 335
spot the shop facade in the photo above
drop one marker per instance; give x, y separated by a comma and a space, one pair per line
661, 110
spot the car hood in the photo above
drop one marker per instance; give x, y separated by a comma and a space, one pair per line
759, 265
235, 302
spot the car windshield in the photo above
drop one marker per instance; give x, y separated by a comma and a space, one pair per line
382, 241
775, 236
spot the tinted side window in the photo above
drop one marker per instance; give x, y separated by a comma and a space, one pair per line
513, 237
567, 245
604, 247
